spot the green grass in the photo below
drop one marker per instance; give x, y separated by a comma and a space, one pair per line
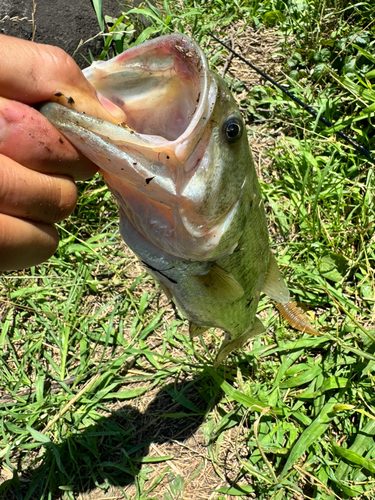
101, 388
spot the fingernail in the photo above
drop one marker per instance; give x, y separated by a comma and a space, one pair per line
114, 110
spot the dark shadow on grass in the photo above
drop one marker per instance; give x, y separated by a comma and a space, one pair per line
110, 452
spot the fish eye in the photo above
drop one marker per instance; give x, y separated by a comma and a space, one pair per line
232, 129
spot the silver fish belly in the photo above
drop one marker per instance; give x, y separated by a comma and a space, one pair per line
184, 178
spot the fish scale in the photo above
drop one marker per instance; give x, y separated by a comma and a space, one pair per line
184, 178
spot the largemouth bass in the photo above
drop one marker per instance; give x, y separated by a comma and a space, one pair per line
184, 178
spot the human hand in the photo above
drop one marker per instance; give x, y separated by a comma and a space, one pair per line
37, 165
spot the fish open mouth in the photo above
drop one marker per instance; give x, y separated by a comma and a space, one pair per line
163, 86
159, 165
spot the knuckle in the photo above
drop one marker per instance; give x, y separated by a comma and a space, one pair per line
65, 64
65, 199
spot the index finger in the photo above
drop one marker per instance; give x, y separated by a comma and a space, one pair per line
32, 73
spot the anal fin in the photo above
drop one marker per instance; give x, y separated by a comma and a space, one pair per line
229, 344
195, 330
274, 285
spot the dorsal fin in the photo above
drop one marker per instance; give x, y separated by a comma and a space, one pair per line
220, 285
274, 285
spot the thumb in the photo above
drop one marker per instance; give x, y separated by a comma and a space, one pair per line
32, 73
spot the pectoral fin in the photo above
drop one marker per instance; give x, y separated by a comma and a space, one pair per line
220, 285
274, 285
166, 290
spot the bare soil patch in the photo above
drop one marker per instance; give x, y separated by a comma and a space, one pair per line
65, 24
